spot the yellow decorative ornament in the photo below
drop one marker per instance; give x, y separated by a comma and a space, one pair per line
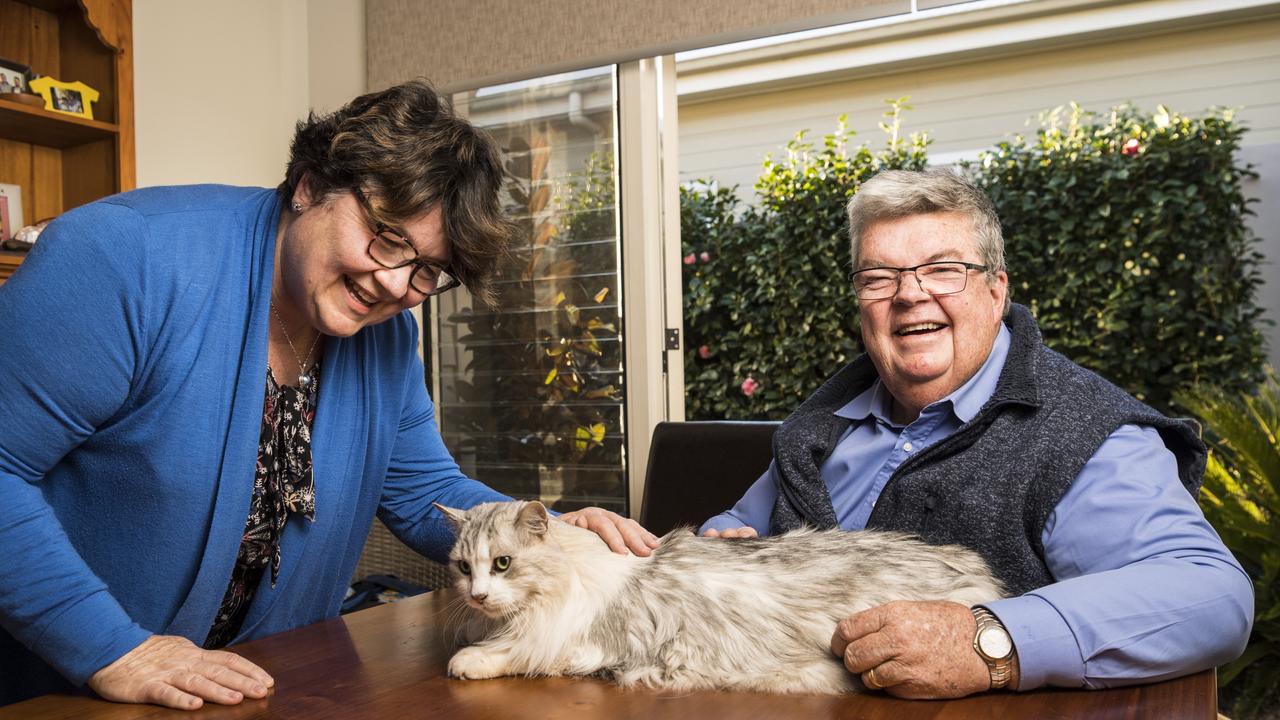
74, 98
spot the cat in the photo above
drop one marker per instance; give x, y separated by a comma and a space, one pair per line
548, 598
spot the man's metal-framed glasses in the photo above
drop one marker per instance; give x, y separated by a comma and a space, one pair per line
945, 277
392, 251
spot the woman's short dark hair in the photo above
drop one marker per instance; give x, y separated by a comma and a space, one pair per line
407, 152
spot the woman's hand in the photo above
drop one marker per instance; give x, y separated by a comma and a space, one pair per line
619, 533
728, 533
173, 672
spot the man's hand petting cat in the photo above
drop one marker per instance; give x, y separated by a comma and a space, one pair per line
729, 533
619, 533
918, 649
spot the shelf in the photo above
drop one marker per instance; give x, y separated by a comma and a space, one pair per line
9, 261
44, 127
52, 6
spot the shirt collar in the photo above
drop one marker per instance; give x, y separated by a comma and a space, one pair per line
872, 401
965, 402
971, 396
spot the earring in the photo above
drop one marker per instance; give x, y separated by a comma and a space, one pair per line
296, 206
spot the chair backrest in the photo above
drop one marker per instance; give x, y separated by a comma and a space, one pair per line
700, 469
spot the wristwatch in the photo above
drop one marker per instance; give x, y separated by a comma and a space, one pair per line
994, 646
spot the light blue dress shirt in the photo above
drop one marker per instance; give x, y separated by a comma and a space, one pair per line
1145, 588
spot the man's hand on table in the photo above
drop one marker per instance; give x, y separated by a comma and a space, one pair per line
173, 672
619, 533
917, 649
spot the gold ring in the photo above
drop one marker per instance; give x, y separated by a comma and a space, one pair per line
869, 679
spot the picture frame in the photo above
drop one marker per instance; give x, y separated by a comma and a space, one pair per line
10, 210
69, 98
14, 77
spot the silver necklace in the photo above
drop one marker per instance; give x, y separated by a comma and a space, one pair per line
304, 378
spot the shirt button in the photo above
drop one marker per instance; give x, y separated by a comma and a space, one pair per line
906, 446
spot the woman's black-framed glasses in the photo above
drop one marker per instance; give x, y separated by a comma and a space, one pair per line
945, 277
392, 251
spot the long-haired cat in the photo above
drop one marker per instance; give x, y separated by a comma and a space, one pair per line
750, 614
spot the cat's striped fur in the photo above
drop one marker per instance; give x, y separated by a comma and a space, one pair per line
753, 614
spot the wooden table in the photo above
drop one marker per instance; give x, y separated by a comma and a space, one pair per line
389, 662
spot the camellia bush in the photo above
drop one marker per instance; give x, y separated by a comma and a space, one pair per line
1124, 234
769, 309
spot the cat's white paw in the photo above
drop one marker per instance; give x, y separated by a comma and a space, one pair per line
476, 663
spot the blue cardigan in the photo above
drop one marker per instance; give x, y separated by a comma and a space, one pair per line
133, 348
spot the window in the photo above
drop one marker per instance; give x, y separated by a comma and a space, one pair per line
531, 398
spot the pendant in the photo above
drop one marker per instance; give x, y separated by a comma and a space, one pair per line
304, 381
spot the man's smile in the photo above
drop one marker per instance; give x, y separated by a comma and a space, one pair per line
923, 328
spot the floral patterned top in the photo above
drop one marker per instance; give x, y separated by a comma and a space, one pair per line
282, 486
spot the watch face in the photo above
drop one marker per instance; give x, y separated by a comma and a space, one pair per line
995, 643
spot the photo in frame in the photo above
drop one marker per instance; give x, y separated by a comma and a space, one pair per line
14, 77
10, 210
72, 98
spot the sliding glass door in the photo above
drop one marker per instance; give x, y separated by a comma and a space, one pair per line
532, 397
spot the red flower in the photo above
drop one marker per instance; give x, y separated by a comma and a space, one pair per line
1131, 147
749, 387
690, 259
704, 352
705, 256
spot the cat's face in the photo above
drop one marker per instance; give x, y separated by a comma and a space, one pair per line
500, 557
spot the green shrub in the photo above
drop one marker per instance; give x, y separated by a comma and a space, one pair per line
1125, 236
769, 311
1241, 499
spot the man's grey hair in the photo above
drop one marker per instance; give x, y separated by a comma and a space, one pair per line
902, 193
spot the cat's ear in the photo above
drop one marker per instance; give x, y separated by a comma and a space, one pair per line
533, 517
453, 515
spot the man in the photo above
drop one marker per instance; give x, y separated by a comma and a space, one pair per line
960, 426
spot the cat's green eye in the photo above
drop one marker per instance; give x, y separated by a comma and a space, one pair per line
465, 567
502, 563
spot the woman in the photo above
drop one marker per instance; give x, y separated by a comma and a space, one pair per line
157, 503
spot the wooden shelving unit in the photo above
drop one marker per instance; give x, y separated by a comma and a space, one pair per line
37, 126
62, 161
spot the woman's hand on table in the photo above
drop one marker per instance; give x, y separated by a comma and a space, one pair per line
174, 672
619, 533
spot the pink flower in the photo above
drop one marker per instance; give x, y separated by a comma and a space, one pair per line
705, 256
690, 259
1131, 147
704, 352
749, 387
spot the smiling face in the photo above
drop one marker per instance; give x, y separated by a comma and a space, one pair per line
925, 347
324, 275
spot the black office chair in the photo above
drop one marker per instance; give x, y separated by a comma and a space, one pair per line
700, 469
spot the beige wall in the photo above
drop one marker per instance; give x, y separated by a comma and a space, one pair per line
336, 55
219, 85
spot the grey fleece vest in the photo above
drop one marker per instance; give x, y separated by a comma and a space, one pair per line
993, 483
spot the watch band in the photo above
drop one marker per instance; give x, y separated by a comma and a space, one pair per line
1001, 668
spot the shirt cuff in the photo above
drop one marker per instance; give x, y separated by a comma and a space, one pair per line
1048, 653
723, 521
